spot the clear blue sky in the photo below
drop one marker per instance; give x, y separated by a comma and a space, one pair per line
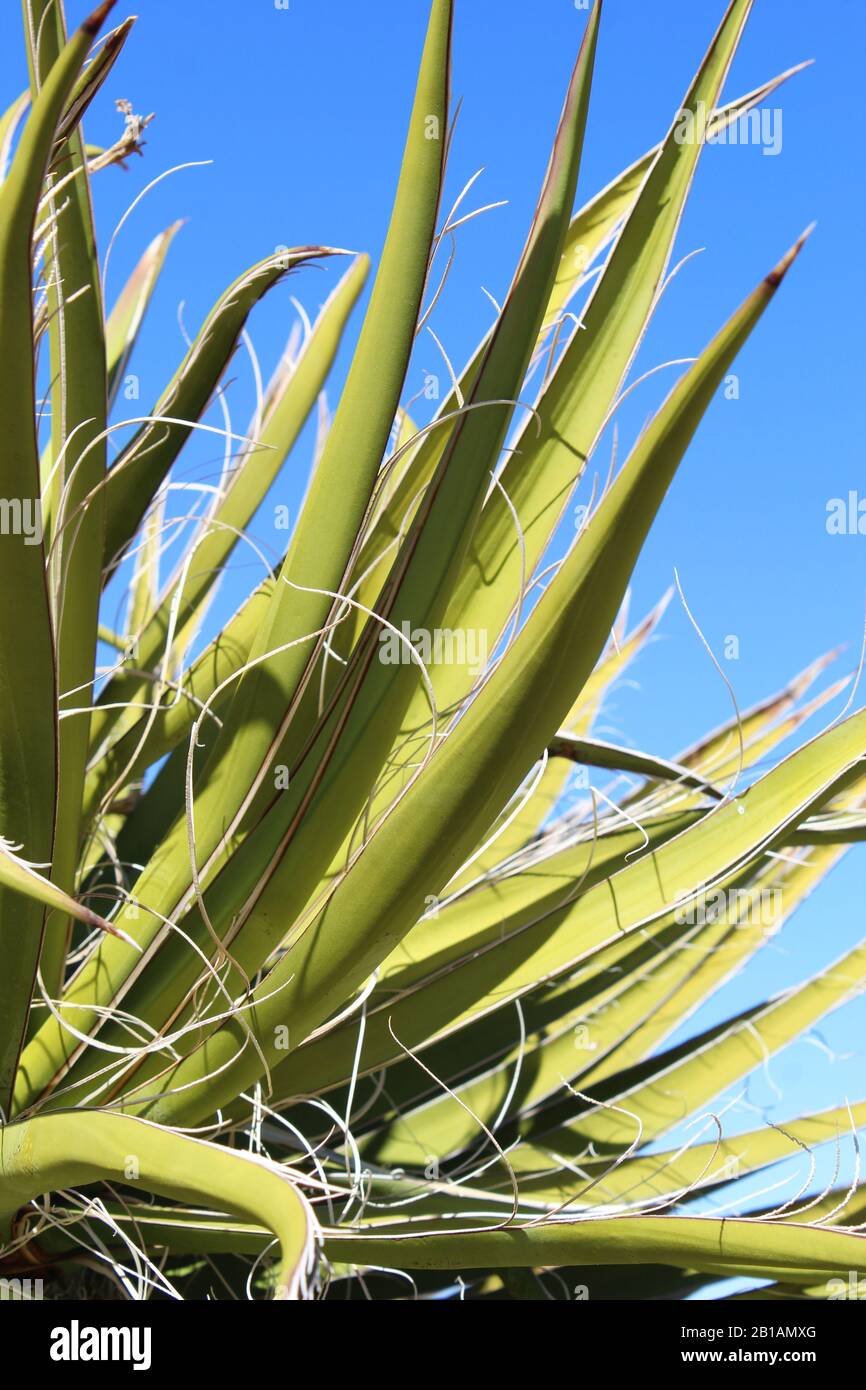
303, 112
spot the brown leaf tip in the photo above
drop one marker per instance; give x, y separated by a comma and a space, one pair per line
778, 273
94, 21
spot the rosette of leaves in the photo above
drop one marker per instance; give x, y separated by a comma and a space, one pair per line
315, 977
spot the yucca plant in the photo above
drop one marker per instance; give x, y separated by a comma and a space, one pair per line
313, 975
